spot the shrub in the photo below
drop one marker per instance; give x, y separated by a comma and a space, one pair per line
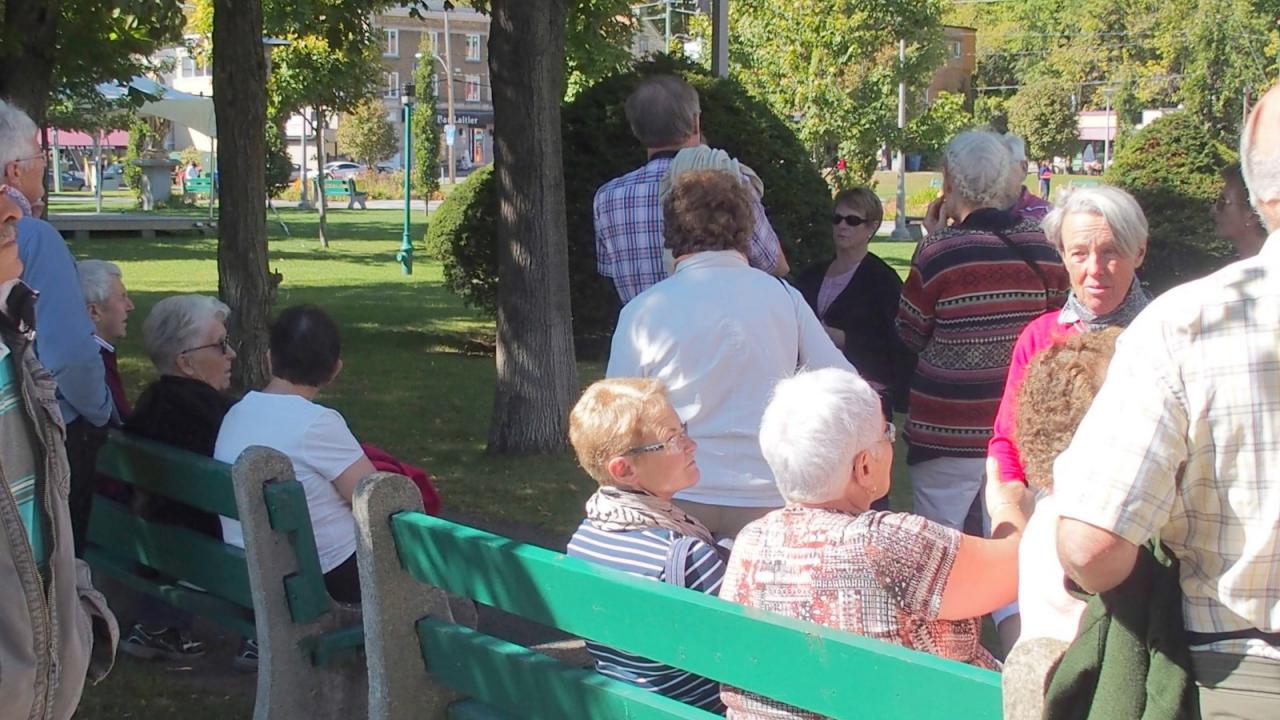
1171, 167
598, 146
460, 234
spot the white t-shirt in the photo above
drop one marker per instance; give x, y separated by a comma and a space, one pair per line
720, 334
320, 446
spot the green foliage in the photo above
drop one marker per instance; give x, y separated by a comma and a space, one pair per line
141, 138
1041, 114
426, 133
598, 146
597, 42
191, 154
832, 66
461, 235
278, 162
1171, 167
366, 135
1228, 43
310, 73
929, 132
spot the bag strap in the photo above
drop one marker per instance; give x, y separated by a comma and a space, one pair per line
1021, 252
677, 560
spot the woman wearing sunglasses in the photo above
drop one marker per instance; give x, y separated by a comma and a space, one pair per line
856, 294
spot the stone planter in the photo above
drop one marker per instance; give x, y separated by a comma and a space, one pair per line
157, 181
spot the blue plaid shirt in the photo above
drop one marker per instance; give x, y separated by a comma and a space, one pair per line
628, 220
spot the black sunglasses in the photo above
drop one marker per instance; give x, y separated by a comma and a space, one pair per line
850, 220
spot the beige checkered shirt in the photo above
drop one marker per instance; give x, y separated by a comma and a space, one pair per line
1183, 441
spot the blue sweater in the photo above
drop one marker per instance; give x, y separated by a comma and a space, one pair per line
64, 332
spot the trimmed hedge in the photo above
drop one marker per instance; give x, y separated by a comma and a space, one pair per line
598, 146
1171, 167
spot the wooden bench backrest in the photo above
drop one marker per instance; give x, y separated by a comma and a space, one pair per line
333, 186
825, 671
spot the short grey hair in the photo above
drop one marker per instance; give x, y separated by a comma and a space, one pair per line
1017, 147
815, 425
16, 131
662, 111
95, 279
1261, 171
977, 163
1115, 206
174, 325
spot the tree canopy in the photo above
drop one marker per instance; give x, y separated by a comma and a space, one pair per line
365, 133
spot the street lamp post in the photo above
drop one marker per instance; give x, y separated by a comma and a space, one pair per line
449, 129
405, 256
900, 216
1106, 138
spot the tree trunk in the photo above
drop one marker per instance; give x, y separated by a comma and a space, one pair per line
321, 203
537, 375
26, 63
240, 107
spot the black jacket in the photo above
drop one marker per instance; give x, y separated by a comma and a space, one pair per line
865, 311
187, 414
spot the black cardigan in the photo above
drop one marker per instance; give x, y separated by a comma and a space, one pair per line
865, 311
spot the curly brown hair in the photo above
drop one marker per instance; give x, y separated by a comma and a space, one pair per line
707, 210
1056, 392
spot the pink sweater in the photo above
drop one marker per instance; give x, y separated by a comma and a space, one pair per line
1039, 334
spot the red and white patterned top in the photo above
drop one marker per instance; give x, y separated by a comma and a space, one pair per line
877, 574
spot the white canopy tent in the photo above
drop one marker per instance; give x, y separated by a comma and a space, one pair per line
190, 111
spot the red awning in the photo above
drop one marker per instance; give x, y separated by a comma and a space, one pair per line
73, 138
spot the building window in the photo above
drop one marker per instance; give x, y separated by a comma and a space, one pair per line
392, 89
955, 49
391, 45
435, 84
190, 67
642, 45
435, 42
473, 47
473, 88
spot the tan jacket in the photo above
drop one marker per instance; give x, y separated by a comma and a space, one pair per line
47, 627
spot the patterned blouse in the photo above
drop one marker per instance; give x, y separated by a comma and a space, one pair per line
877, 574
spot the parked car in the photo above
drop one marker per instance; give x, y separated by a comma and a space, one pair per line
342, 169
387, 166
70, 181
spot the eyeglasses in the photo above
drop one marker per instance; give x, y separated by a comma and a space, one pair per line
42, 156
850, 220
673, 445
890, 432
225, 346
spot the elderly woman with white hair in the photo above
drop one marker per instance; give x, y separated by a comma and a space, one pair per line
1021, 201
1101, 233
827, 558
186, 338
973, 286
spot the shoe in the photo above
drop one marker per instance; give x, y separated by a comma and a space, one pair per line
246, 658
170, 644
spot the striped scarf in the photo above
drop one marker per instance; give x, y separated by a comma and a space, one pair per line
614, 509
1134, 301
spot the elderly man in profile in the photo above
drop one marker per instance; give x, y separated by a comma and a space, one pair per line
1183, 443
1025, 205
665, 115
108, 303
64, 332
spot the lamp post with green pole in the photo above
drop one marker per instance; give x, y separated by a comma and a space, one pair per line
405, 255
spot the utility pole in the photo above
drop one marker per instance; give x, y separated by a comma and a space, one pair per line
450, 129
900, 217
1106, 138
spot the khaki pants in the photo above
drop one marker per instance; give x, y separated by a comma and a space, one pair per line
723, 521
1236, 687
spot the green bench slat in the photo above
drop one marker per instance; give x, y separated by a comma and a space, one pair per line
197, 185
325, 648
782, 658
531, 685
288, 513
161, 469
474, 710
172, 550
336, 187
227, 614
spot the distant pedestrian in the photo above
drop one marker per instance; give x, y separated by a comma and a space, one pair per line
1046, 176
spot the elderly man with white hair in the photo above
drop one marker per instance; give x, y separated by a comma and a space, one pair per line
1024, 204
1183, 444
827, 558
109, 306
64, 332
973, 286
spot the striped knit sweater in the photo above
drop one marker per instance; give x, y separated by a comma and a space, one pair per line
965, 301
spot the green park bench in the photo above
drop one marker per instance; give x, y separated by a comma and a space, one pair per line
310, 665
333, 188
424, 665
1084, 183
202, 185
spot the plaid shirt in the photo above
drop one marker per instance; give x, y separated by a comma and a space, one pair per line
628, 220
1183, 441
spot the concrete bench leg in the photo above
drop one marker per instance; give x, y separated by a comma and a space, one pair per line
289, 686
399, 686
